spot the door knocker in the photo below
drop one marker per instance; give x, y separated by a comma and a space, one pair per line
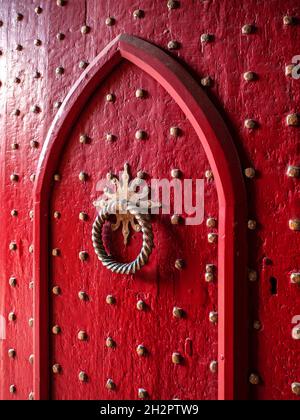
122, 202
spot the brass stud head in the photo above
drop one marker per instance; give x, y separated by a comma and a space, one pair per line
38, 10
83, 64
37, 42
213, 317
294, 224
289, 20
248, 29
30, 322
206, 81
296, 333
34, 144
142, 393
109, 342
209, 277
61, 2
19, 17
176, 173
213, 367
252, 275
60, 36
110, 300
16, 113
59, 70
205, 38
12, 389
179, 264
141, 305
176, 358
31, 396
12, 353
295, 278
178, 312
15, 146
289, 69
110, 137
293, 120
254, 379
57, 177
31, 359
250, 124
85, 29
14, 177
83, 296
83, 377
110, 384
110, 21
249, 76
83, 216
173, 4
296, 388
293, 171
257, 325
250, 173
56, 290
82, 336
175, 131
83, 255
176, 219
84, 139
56, 252
14, 213
56, 368
140, 135
211, 222
57, 215
209, 175
141, 350
110, 97
12, 316
140, 93
56, 329
13, 246
138, 14
212, 238
12, 282
252, 224
173, 45
83, 177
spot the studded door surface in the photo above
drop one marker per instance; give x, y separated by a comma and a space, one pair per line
149, 334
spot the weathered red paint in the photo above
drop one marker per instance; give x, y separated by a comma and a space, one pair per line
270, 148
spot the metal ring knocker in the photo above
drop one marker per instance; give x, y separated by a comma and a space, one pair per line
108, 260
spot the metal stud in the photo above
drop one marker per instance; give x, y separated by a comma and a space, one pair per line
178, 312
59, 70
56, 290
141, 350
37, 42
257, 325
12, 353
57, 177
83, 377
296, 333
31, 396
141, 174
212, 238
211, 222
12, 389
175, 131
250, 124
110, 384
19, 47
210, 271
12, 282
19, 17
15, 146
32, 177
60, 36
142, 393
30, 322
213, 317
140, 135
141, 305
16, 112
57, 215
213, 367
289, 20
34, 144
110, 97
250, 173
61, 2
85, 29
83, 216
176, 358
205, 38
254, 379
84, 139
37, 75
140, 93
289, 70
138, 14
173, 45
293, 120
252, 224
83, 255
295, 278
56, 252
110, 21
249, 76
110, 137
206, 81
176, 219
82, 336
110, 300
31, 359
31, 285
179, 264
12, 316
173, 4
293, 171
176, 173
56, 330
83, 296
83, 64
209, 175
109, 342
83, 176
248, 29
31, 214
14, 177
14, 213
17, 80
1, 23
56, 368
38, 10
13, 246
294, 224
296, 388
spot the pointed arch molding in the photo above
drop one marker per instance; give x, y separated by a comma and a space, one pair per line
224, 161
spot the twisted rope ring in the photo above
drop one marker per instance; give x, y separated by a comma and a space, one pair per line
107, 260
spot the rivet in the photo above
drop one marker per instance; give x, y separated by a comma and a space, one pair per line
60, 36
57, 177
252, 224
289, 20
83, 295
293, 120
293, 171
12, 353
109, 342
178, 312
19, 47
38, 10
176, 219
31, 285
141, 175
140, 93
176, 173
83, 176
211, 222
84, 139
31, 396
142, 393
37, 42
82, 336
85, 29
57, 104
210, 268
179, 264
15, 146
56, 330
209, 175
37, 75
257, 325
249, 76
83, 377
247, 29
30, 322
110, 21
32, 177
110, 384
59, 70
173, 45
56, 252
250, 124
295, 278
12, 281
250, 173
206, 38
61, 2
12, 389
12, 316
57, 215
13, 246
254, 379
56, 290
34, 144
289, 70
31, 359
209, 277
140, 135
1, 23
83, 255
206, 81
14, 213
173, 4
110, 97
294, 224
213, 317
31, 214
16, 112
141, 305
213, 367
19, 17
17, 80
176, 358
83, 216
110, 300
296, 388
14, 177
138, 14
212, 238
83, 64
56, 368
141, 350
296, 333
110, 137
175, 131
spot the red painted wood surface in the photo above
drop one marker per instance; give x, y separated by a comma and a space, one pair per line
270, 148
